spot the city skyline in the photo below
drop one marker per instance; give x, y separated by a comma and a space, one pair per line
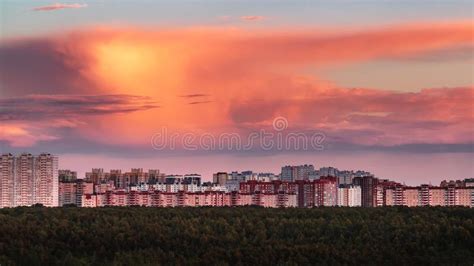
386, 85
28, 180
207, 176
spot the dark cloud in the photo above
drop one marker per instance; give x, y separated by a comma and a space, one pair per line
194, 95
36, 66
35, 107
201, 102
72, 142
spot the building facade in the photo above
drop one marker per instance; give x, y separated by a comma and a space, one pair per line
27, 180
349, 196
7, 181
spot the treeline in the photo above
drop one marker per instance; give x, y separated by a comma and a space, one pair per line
236, 236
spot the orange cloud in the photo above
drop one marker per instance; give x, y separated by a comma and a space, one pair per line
18, 135
249, 77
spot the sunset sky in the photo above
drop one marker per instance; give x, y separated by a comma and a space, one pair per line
388, 83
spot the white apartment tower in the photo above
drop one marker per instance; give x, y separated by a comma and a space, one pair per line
7, 166
26, 180
46, 181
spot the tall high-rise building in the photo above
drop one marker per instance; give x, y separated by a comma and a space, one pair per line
67, 176
345, 177
325, 191
46, 183
7, 170
236, 176
137, 176
306, 193
117, 177
329, 171
303, 171
26, 180
220, 178
83, 187
154, 176
291, 173
97, 176
287, 173
368, 185
67, 187
192, 179
67, 193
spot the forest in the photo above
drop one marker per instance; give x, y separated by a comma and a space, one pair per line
236, 236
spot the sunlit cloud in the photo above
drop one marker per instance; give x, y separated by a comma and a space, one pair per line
252, 76
22, 135
57, 6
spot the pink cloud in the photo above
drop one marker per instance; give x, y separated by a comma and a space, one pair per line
250, 78
57, 6
19, 135
369, 116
